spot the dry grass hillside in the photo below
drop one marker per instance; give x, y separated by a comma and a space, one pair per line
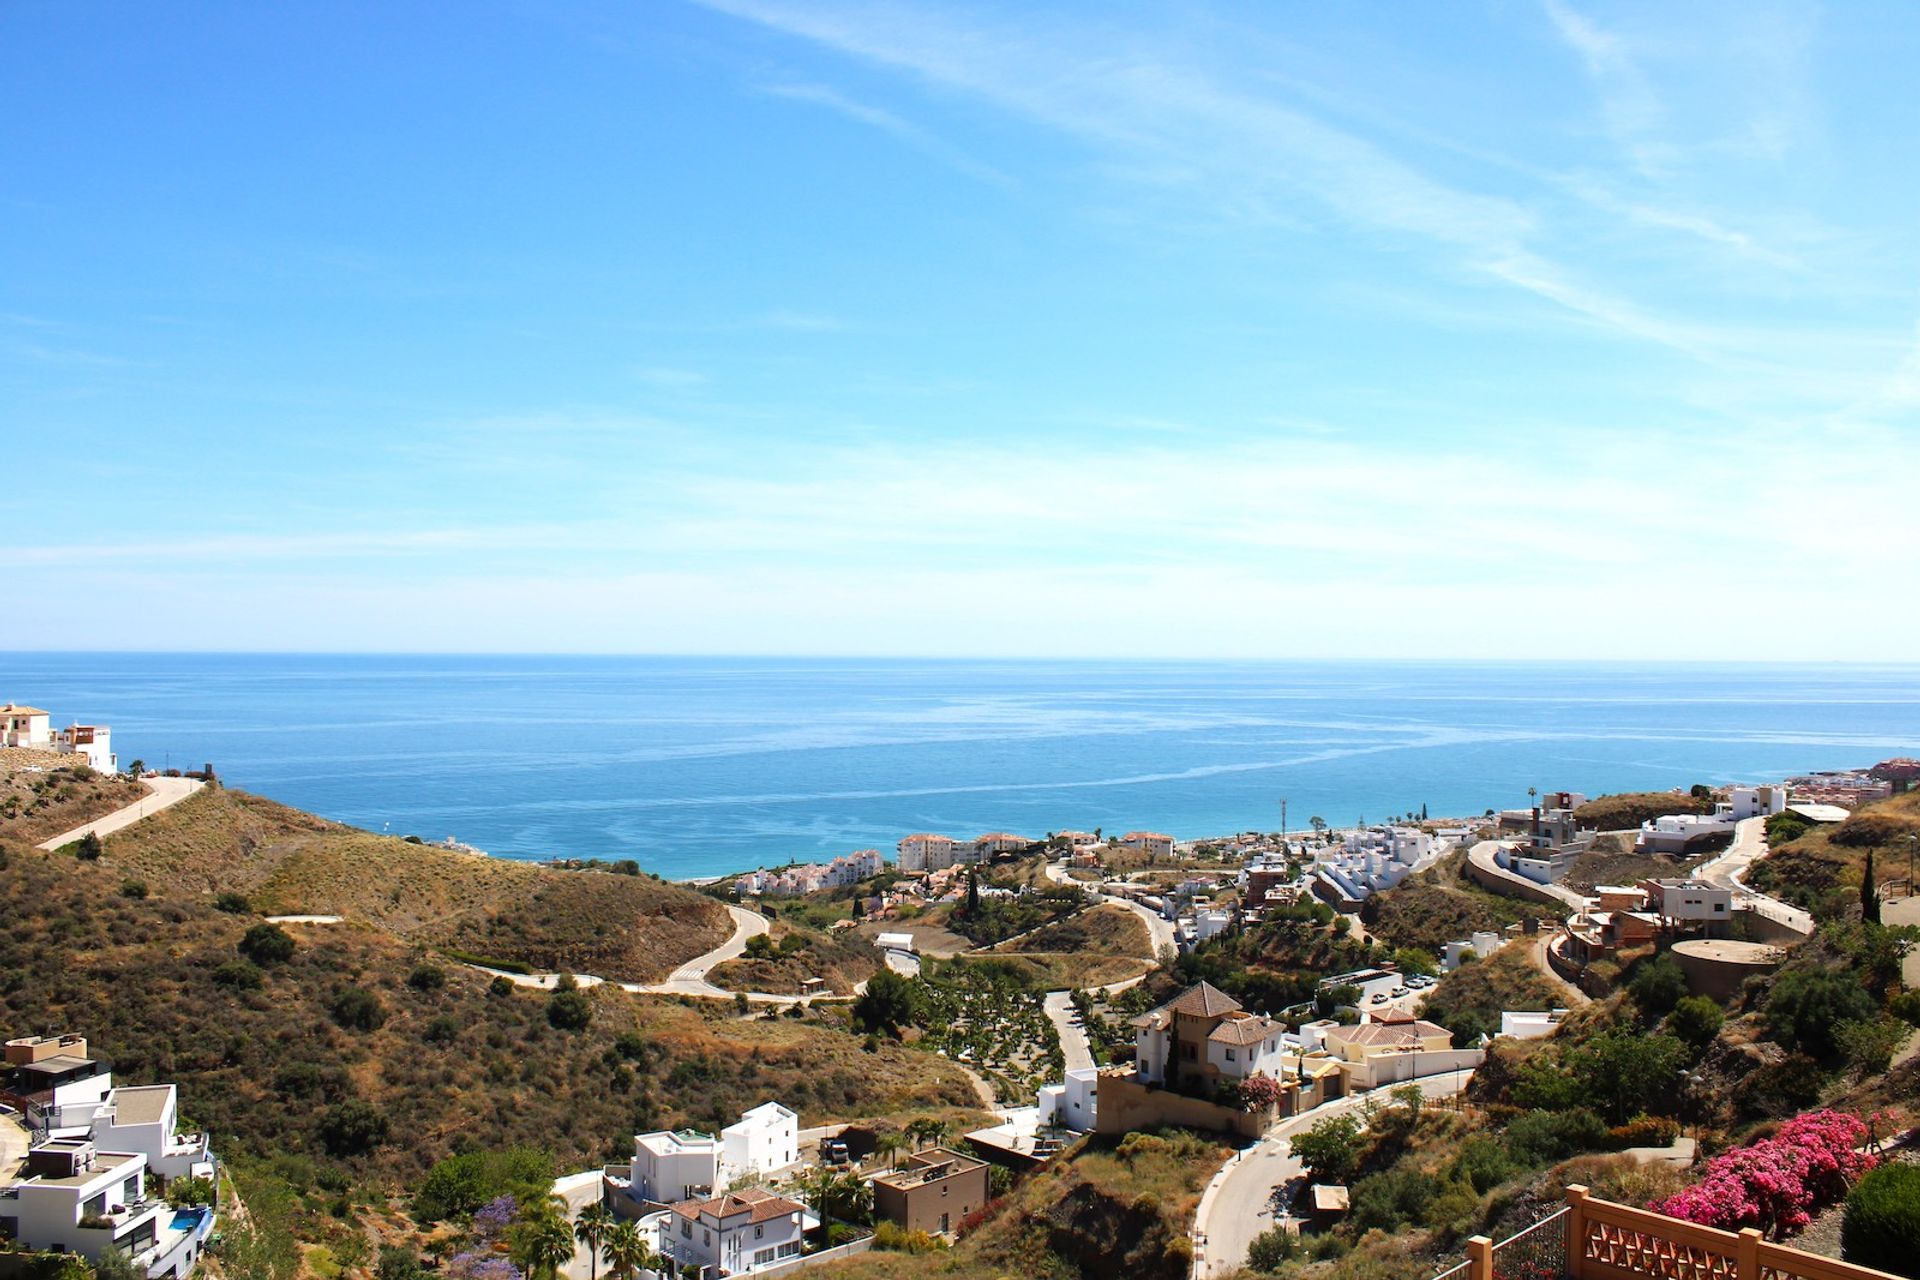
268, 1056
286, 862
1431, 909
1100, 945
38, 803
1628, 809
1820, 866
1109, 1209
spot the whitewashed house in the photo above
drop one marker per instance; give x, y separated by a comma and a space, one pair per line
143, 1119
734, 1234
763, 1140
94, 741
28, 727
1074, 1103
1526, 1025
70, 1197
1482, 944
670, 1166
59, 1083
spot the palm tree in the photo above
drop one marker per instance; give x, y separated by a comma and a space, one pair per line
890, 1145
591, 1230
545, 1247
627, 1250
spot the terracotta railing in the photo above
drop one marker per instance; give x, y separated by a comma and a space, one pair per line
1608, 1241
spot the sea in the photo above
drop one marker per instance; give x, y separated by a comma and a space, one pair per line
703, 766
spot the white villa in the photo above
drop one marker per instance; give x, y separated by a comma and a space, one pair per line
1074, 1103
670, 1166
763, 1140
88, 1184
1482, 943
734, 1234
32, 729
1203, 1031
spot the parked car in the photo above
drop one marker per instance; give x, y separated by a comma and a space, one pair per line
1398, 992
1380, 998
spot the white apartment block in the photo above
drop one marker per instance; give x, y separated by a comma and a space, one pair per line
61, 1085
1153, 843
996, 842
926, 852
763, 1140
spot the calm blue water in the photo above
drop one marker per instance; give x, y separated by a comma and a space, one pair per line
696, 766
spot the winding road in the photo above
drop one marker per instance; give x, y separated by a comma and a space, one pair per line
162, 793
1238, 1203
1749, 846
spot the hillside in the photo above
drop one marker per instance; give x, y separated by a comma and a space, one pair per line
1111, 1208
269, 1057
792, 954
1819, 866
286, 862
1628, 809
1436, 907
38, 802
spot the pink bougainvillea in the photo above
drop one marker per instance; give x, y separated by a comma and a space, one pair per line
1776, 1184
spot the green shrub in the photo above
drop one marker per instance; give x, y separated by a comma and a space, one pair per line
427, 977
232, 903
358, 1009
1870, 1043
1906, 1007
352, 1128
1541, 1137
1272, 1249
88, 848
1806, 1007
1658, 983
500, 988
267, 944
135, 889
240, 975
1696, 1020
1882, 1225
458, 1185
570, 1010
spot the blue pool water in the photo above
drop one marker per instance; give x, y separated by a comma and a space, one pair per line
697, 767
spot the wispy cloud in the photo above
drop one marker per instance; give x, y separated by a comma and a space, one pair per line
1242, 150
887, 122
1632, 110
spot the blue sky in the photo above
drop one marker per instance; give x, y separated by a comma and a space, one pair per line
1506, 330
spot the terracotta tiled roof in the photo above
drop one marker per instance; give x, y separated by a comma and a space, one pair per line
762, 1205
1247, 1030
1396, 1032
11, 709
1203, 1001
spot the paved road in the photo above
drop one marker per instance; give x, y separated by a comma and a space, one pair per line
1537, 948
1749, 846
1073, 1037
162, 793
13, 1145
306, 919
1482, 856
1239, 1207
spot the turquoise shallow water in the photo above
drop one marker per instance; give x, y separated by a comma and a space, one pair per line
700, 766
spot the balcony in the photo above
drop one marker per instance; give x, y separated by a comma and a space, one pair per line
1591, 1239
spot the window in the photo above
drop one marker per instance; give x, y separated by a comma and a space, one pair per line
943, 1224
762, 1257
1231, 1056
758, 1231
790, 1248
686, 1228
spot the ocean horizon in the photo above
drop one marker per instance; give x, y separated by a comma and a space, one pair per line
705, 766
